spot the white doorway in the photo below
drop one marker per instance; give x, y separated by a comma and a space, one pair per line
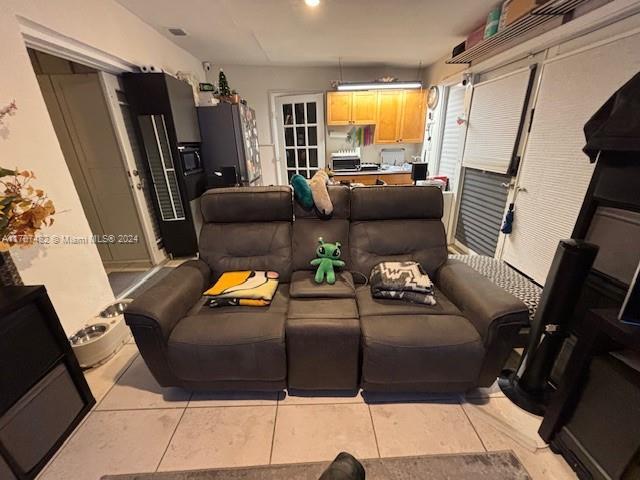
301, 142
99, 152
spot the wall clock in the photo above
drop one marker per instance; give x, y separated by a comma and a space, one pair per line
433, 97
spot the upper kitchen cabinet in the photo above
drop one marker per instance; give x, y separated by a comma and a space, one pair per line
339, 107
363, 110
388, 116
351, 108
413, 116
401, 116
183, 109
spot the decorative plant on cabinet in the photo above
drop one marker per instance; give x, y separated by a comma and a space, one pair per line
225, 93
24, 210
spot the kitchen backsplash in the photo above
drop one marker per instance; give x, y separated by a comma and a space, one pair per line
371, 153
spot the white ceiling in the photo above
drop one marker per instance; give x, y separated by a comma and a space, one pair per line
287, 32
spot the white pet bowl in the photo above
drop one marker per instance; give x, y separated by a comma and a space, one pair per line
98, 341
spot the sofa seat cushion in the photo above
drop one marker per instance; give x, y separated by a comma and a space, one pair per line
304, 286
229, 346
420, 349
367, 305
328, 308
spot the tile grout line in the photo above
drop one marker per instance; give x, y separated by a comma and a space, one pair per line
373, 425
273, 436
116, 380
171, 438
322, 403
141, 409
474, 427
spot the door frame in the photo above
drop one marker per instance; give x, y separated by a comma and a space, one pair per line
274, 96
109, 84
43, 39
451, 233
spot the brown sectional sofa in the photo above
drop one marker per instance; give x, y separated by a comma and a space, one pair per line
327, 337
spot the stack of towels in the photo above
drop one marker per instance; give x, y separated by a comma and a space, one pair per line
244, 288
402, 281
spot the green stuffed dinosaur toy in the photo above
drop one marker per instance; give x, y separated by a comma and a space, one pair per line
328, 257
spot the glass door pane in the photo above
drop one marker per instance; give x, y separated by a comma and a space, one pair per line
303, 146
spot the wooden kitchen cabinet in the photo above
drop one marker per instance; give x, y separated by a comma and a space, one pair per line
339, 106
413, 116
388, 116
363, 111
351, 108
401, 116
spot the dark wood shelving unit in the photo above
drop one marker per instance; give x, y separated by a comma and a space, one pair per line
517, 31
43, 392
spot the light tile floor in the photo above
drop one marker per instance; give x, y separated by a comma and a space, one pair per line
138, 426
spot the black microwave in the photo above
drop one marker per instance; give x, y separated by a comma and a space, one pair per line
190, 159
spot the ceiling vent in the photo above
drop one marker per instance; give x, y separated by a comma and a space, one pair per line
178, 32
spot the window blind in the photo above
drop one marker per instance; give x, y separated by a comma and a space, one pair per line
452, 136
482, 204
495, 120
555, 173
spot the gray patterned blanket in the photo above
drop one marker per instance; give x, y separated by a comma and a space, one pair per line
402, 281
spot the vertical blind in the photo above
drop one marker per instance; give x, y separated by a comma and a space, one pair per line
555, 173
452, 135
127, 117
495, 120
161, 166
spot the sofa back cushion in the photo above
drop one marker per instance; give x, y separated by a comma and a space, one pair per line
247, 228
307, 227
396, 223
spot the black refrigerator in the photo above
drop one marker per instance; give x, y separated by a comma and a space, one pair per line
229, 143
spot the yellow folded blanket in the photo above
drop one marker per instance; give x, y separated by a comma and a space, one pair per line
248, 288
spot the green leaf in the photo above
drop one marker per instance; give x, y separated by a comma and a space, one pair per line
5, 172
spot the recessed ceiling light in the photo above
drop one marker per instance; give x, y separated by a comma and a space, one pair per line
312, 3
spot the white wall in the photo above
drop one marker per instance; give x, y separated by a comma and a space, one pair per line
439, 71
255, 84
73, 274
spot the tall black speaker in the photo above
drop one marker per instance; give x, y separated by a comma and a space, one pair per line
419, 171
528, 386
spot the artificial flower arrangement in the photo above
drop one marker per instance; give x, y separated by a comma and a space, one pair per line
24, 209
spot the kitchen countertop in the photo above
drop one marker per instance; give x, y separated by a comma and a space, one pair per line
379, 171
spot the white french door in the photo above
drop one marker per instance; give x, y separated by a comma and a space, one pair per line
555, 174
300, 120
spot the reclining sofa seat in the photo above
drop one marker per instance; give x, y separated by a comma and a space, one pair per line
334, 334
187, 344
461, 342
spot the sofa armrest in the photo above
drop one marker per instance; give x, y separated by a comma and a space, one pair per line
495, 313
489, 307
166, 302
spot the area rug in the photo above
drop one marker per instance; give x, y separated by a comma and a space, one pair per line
473, 466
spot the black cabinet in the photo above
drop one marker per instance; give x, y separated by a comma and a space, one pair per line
43, 393
167, 127
183, 110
